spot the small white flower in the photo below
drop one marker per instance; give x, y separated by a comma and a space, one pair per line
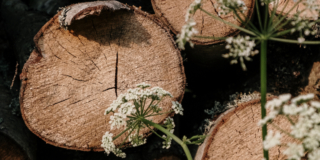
143, 85
270, 116
186, 34
167, 143
137, 140
107, 143
285, 97
301, 39
118, 120
291, 109
315, 104
310, 143
240, 48
302, 98
314, 155
294, 151
177, 107
224, 7
271, 140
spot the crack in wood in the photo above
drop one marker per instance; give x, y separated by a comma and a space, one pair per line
58, 102
66, 49
74, 78
108, 89
116, 76
85, 53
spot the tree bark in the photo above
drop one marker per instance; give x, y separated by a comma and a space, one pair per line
87, 55
236, 135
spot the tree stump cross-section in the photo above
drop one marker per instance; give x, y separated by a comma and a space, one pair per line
236, 135
73, 75
172, 13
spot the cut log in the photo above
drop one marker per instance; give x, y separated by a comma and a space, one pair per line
172, 13
16, 141
74, 75
286, 9
236, 135
314, 80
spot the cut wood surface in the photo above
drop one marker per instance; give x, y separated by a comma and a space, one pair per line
236, 135
74, 75
172, 13
16, 141
314, 80
285, 8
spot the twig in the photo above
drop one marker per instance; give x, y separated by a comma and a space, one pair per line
15, 74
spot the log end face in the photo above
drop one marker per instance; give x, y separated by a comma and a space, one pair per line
172, 13
78, 72
237, 135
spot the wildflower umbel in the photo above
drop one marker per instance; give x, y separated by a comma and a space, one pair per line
129, 112
227, 6
240, 48
187, 30
306, 129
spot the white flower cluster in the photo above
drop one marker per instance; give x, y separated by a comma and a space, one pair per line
187, 30
271, 140
240, 47
131, 110
306, 129
302, 22
108, 145
177, 107
227, 6
304, 26
169, 124
124, 103
137, 140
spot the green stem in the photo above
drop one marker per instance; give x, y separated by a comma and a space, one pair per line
158, 114
282, 18
175, 138
246, 21
124, 131
264, 91
145, 110
266, 15
155, 132
293, 41
258, 14
281, 33
273, 13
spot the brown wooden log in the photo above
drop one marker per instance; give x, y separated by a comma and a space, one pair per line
313, 80
236, 135
172, 13
16, 141
74, 75
283, 9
